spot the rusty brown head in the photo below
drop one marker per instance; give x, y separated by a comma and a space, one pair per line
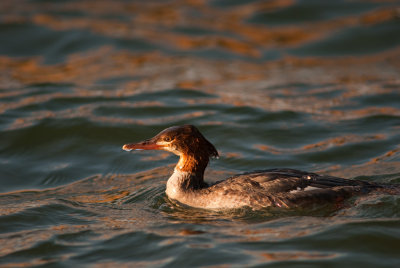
183, 140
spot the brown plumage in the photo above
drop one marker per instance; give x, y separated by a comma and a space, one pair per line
258, 189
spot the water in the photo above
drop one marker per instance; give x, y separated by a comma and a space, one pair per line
310, 85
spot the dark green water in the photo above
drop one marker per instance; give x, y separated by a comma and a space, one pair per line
311, 85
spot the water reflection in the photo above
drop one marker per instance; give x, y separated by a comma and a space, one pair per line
300, 84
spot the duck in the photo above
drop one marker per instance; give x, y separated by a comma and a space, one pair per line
278, 187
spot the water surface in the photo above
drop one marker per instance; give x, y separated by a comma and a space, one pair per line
300, 84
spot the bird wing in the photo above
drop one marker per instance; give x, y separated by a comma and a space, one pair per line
291, 180
289, 188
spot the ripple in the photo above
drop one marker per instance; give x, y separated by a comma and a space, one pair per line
354, 41
311, 11
299, 84
56, 214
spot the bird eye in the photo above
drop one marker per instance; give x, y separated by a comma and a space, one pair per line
167, 139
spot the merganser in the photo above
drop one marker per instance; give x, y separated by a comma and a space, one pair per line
286, 188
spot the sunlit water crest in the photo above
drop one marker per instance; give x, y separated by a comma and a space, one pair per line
311, 85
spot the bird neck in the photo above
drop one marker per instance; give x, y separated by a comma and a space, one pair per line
193, 164
188, 176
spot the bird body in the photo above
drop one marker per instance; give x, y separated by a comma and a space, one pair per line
285, 188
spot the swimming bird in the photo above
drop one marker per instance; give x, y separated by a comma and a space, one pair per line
286, 188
